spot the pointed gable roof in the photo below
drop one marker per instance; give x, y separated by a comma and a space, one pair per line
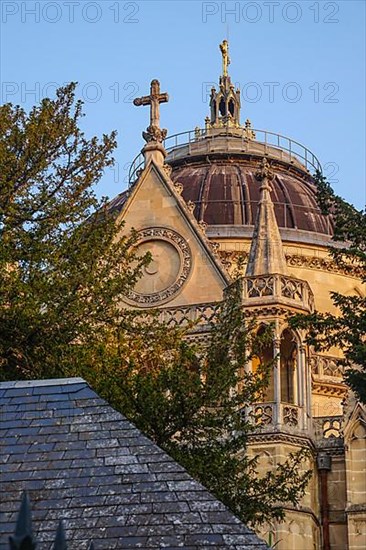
83, 462
154, 204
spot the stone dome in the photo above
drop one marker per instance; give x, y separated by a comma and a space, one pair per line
217, 174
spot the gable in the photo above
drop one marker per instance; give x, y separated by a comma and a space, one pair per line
184, 269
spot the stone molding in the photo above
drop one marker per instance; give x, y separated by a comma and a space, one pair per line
283, 437
229, 259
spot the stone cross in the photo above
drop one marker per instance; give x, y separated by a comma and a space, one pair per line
153, 132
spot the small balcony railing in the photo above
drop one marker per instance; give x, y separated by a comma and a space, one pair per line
267, 143
277, 288
289, 415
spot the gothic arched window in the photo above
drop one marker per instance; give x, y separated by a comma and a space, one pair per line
288, 361
265, 358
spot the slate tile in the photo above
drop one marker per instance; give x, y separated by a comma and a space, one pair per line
42, 465
149, 459
26, 431
123, 459
87, 462
30, 439
87, 401
53, 398
134, 508
65, 483
78, 453
64, 513
84, 435
149, 487
131, 469
14, 450
207, 506
99, 511
102, 471
88, 427
172, 476
186, 485
14, 424
155, 530
104, 484
83, 393
48, 390
159, 496
67, 445
53, 429
19, 392
87, 500
204, 539
139, 477
105, 445
122, 498
194, 528
199, 494
170, 507
166, 467
164, 541
38, 447
75, 388
134, 542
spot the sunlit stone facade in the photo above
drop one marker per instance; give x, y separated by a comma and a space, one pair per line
202, 200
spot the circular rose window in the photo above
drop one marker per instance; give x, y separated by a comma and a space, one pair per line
168, 270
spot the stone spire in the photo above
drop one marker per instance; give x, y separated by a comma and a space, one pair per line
225, 103
266, 254
154, 135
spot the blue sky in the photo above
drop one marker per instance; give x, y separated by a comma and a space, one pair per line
300, 66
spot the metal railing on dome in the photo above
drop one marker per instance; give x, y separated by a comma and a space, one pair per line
287, 149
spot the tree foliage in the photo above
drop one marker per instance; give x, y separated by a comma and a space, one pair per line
195, 402
65, 264
347, 328
62, 271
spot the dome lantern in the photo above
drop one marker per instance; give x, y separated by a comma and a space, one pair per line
225, 102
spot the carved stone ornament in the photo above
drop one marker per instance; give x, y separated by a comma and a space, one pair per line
154, 133
203, 226
215, 247
322, 264
191, 206
169, 269
167, 169
178, 187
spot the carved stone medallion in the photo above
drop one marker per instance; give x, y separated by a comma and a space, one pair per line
167, 272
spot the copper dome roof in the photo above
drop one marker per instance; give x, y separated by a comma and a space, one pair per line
221, 183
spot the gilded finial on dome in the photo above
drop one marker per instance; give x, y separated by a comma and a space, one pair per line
225, 102
224, 47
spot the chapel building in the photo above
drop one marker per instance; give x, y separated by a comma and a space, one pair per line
200, 200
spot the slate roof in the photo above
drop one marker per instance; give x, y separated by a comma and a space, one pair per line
83, 462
